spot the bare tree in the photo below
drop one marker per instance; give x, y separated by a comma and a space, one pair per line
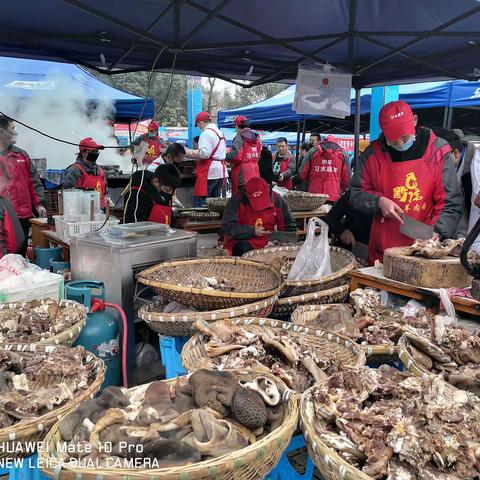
211, 86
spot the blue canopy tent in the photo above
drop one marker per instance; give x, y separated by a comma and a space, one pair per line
22, 78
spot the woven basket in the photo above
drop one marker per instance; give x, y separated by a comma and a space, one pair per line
341, 349
304, 201
250, 463
181, 324
22, 435
286, 306
217, 204
252, 280
68, 336
341, 260
408, 361
328, 462
305, 314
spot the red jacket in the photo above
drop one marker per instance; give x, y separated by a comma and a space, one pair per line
21, 186
239, 221
285, 165
246, 153
326, 171
426, 188
11, 233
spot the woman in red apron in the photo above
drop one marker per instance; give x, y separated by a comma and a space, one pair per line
151, 195
85, 173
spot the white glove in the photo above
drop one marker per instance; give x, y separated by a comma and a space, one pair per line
42, 211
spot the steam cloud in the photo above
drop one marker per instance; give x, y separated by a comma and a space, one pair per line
58, 106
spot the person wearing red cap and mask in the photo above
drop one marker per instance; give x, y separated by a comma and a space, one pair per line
407, 171
326, 170
244, 155
210, 171
155, 145
85, 173
252, 215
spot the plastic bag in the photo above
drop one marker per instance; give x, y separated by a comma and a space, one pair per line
313, 259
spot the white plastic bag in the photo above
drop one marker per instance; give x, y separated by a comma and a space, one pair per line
313, 259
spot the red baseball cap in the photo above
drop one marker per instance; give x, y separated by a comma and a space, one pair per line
153, 125
202, 117
90, 144
396, 120
258, 193
241, 120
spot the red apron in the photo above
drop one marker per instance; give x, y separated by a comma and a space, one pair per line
203, 166
326, 170
159, 213
245, 163
97, 182
412, 186
154, 150
247, 216
288, 184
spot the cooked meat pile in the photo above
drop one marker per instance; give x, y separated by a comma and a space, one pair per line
282, 353
394, 426
205, 416
32, 384
193, 279
450, 350
436, 249
37, 320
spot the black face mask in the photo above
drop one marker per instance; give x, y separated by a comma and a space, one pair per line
167, 197
92, 156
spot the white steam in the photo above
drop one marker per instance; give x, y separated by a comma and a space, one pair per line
58, 106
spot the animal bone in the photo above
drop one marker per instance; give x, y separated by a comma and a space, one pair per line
288, 353
317, 373
113, 416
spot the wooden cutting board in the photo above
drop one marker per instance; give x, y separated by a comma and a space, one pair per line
424, 272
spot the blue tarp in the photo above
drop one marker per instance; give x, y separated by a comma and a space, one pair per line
456, 93
22, 78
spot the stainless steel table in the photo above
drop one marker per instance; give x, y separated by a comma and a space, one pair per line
116, 264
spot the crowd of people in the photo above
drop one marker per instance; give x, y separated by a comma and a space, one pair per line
432, 176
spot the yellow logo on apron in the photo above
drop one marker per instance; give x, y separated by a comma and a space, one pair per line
98, 187
410, 194
259, 222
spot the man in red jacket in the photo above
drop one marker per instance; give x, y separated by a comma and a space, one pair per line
20, 183
326, 171
252, 215
407, 171
244, 155
155, 144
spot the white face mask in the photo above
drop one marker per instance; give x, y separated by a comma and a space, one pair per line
405, 146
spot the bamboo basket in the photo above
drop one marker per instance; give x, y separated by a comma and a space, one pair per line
344, 351
286, 306
68, 336
304, 201
217, 204
341, 260
254, 282
181, 324
408, 361
34, 430
328, 462
305, 314
250, 463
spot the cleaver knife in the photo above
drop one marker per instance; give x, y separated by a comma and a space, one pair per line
415, 229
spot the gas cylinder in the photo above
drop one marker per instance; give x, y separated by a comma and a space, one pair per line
100, 335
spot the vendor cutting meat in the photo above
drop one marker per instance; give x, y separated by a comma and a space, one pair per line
283, 164
407, 171
244, 155
326, 170
155, 145
152, 194
85, 173
210, 172
252, 215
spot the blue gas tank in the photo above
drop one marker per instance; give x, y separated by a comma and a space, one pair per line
100, 335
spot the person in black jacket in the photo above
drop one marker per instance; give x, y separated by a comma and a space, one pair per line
265, 165
151, 195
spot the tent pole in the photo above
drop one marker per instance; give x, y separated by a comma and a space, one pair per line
445, 117
298, 144
450, 117
129, 132
304, 129
356, 151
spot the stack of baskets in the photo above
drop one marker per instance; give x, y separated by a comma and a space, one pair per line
256, 288
217, 205
304, 201
327, 289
